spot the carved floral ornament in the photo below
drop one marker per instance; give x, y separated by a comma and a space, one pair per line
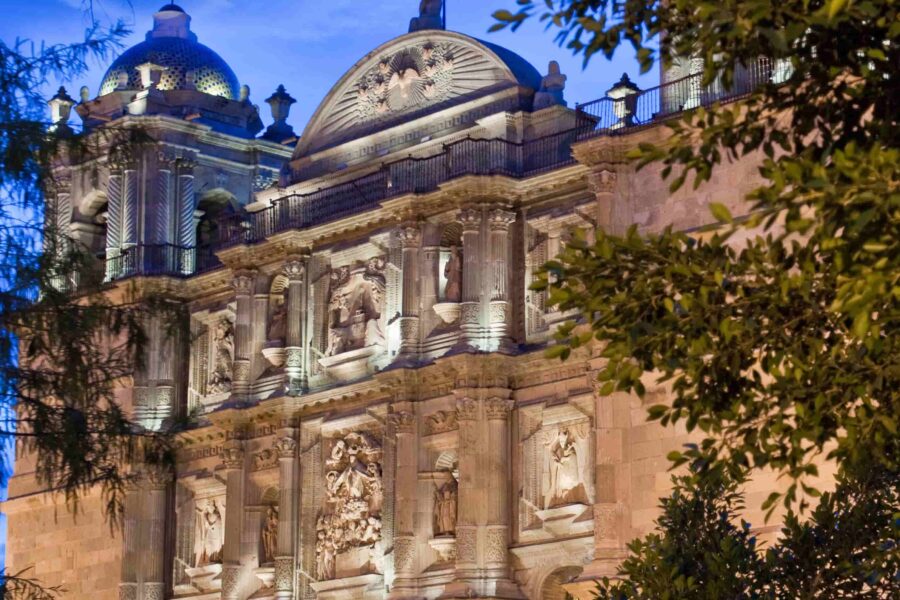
403, 422
405, 79
286, 447
294, 268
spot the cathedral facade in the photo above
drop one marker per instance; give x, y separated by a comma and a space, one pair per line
374, 416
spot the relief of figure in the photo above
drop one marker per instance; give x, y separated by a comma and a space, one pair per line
209, 535
565, 472
355, 307
270, 534
445, 499
453, 275
223, 340
278, 323
351, 515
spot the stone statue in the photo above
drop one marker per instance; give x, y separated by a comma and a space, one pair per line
552, 86
453, 274
445, 498
429, 16
270, 534
278, 323
355, 306
354, 496
209, 535
223, 339
565, 473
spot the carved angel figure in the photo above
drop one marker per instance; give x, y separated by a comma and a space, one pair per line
445, 500
270, 534
220, 379
209, 536
453, 273
565, 475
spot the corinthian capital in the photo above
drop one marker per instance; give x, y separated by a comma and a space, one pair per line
410, 235
233, 456
466, 409
294, 268
500, 219
403, 422
470, 219
286, 447
497, 408
243, 282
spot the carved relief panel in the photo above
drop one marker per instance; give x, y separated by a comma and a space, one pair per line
348, 528
212, 357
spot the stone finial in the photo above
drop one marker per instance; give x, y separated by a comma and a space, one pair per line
279, 131
85, 94
244, 94
60, 108
431, 16
553, 85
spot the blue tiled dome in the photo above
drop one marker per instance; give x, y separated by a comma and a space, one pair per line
189, 64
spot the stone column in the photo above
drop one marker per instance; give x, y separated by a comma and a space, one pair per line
233, 460
128, 586
429, 284
156, 482
286, 447
468, 497
473, 261
186, 222
411, 240
497, 484
130, 207
240, 376
405, 488
113, 224
499, 221
295, 344
602, 181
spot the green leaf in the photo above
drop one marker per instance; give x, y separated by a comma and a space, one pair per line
719, 211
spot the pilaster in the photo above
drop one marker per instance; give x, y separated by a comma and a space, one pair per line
242, 283
296, 348
403, 424
155, 486
233, 462
499, 311
473, 260
286, 447
411, 242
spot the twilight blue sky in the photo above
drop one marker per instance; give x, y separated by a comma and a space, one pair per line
306, 44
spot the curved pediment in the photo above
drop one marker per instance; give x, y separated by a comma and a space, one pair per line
407, 78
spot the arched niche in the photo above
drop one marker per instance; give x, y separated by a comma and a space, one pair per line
213, 206
552, 586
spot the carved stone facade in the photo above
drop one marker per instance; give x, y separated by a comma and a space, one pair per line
372, 413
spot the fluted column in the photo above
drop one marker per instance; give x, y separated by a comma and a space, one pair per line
499, 221
240, 378
411, 240
473, 260
156, 482
128, 579
405, 487
295, 344
468, 497
233, 460
286, 447
497, 484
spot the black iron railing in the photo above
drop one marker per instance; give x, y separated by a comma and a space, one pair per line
606, 116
